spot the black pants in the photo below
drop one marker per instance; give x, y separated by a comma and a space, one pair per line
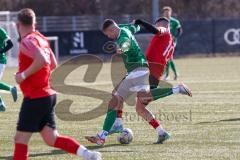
37, 113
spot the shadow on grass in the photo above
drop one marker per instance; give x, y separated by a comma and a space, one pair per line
105, 146
111, 145
53, 152
223, 120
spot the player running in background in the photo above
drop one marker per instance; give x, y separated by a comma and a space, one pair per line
5, 45
176, 31
36, 62
136, 81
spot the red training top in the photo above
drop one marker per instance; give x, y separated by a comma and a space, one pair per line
37, 85
161, 49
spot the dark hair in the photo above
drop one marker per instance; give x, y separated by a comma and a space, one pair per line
162, 19
26, 16
107, 23
167, 8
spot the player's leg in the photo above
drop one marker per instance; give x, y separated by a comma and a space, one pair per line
110, 118
173, 67
27, 122
118, 124
156, 71
149, 117
115, 104
49, 133
21, 145
52, 138
5, 86
166, 72
181, 88
2, 105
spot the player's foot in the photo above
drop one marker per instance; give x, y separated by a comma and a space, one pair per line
14, 93
116, 129
162, 138
95, 139
2, 106
183, 89
176, 76
166, 78
92, 155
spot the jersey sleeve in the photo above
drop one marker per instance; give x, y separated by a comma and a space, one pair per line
124, 44
134, 28
3, 35
177, 24
28, 46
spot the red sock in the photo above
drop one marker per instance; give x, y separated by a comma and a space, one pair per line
119, 113
20, 152
67, 144
154, 123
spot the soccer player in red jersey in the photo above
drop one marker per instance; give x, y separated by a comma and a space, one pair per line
160, 50
36, 62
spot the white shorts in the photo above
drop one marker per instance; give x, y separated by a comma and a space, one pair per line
135, 81
2, 68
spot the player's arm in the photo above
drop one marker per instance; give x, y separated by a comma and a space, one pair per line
7, 41
147, 26
160, 30
39, 56
179, 32
8, 45
179, 29
134, 28
53, 61
124, 45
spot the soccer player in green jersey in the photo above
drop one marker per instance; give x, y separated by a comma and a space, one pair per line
136, 81
176, 31
5, 45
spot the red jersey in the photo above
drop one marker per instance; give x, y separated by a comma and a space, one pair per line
160, 49
37, 85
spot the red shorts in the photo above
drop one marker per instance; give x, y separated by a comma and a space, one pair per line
156, 70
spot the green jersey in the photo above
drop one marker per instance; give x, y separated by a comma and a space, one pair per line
3, 38
132, 55
174, 25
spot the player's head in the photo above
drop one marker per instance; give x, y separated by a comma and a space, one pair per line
167, 11
162, 22
26, 19
110, 29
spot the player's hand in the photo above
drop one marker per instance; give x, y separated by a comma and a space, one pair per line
119, 51
163, 31
133, 22
18, 78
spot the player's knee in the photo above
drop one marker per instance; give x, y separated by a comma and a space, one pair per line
144, 97
18, 138
50, 137
115, 103
50, 141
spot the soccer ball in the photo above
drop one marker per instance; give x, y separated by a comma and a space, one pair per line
126, 136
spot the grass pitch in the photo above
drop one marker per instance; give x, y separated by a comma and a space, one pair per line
205, 127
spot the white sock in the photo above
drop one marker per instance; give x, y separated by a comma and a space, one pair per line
81, 150
160, 130
103, 134
176, 90
118, 122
